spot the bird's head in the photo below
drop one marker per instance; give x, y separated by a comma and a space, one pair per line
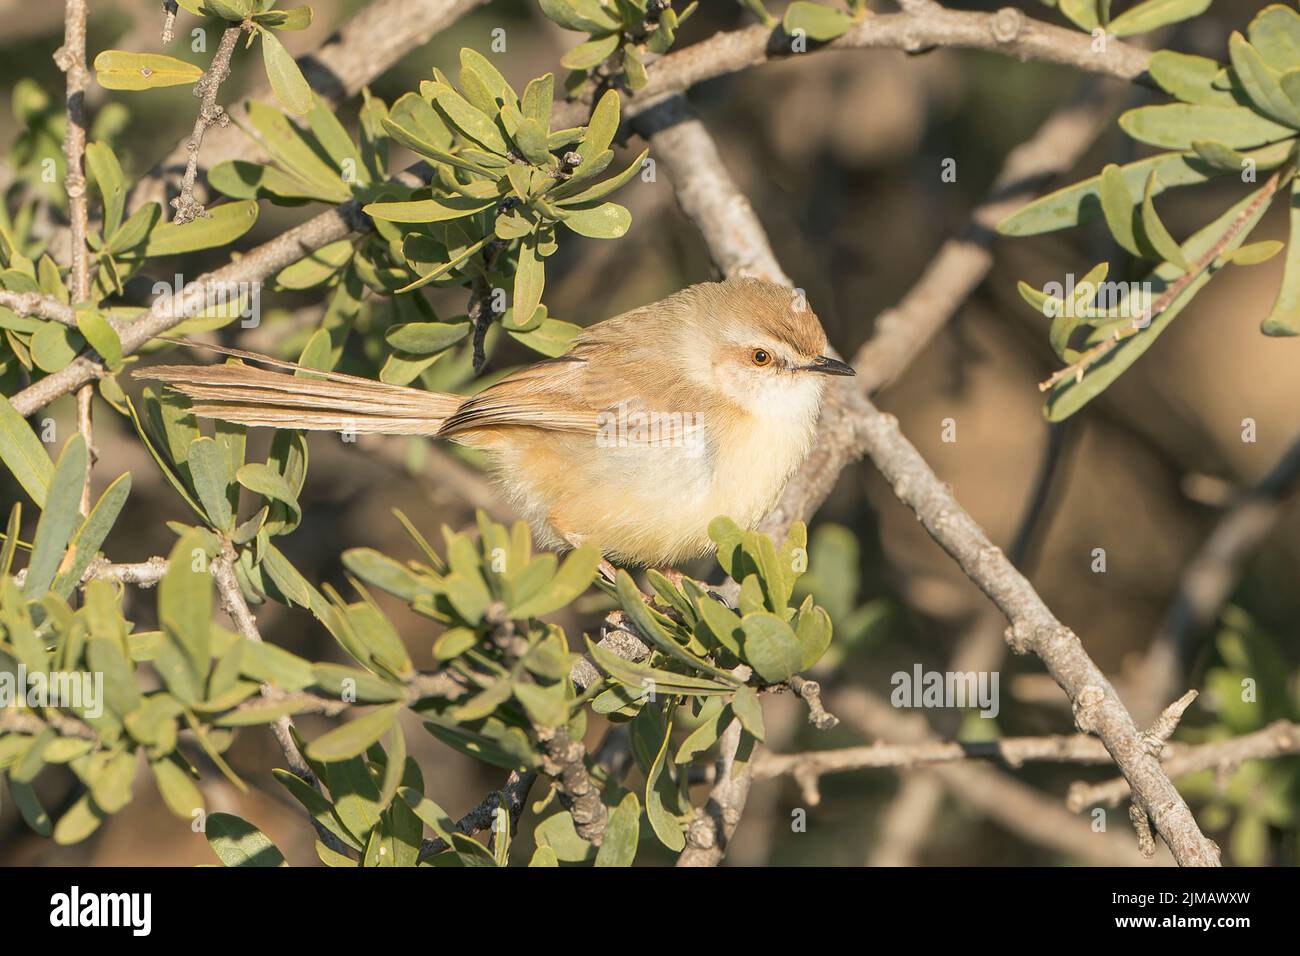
760, 344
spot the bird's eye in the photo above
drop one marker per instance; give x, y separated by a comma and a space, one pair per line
762, 357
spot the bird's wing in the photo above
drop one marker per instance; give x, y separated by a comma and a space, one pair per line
547, 395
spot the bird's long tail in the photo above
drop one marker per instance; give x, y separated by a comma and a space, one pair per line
319, 401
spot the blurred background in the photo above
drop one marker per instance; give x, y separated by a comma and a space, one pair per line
841, 154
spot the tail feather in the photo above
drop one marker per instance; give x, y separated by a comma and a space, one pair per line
332, 402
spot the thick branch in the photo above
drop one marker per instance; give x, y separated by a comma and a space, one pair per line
1008, 32
40, 306
1097, 708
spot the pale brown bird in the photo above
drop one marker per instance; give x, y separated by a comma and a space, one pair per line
655, 421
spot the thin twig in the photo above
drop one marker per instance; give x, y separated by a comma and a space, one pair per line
71, 58
1278, 739
170, 10
210, 114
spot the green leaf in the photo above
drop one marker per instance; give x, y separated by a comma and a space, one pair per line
59, 517
223, 225
90, 536
722, 622
1284, 315
296, 152
1083, 13
120, 70
1189, 78
177, 789
770, 647
715, 716
208, 469
640, 677
426, 338
749, 710
536, 103
442, 209
103, 338
287, 82
23, 453
237, 842
54, 346
29, 805
552, 338
1275, 33
530, 280
496, 84
352, 738
572, 580
316, 267
544, 856
295, 18
568, 197
363, 685
817, 21
1255, 253
185, 611
316, 805
545, 705
1176, 125
1153, 14
648, 627
1261, 82
107, 173
591, 53
1156, 233
82, 819
270, 484
586, 16
471, 121
813, 631
622, 832
433, 815
1117, 206
666, 826
604, 221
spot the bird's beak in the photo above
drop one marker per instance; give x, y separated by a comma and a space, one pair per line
828, 366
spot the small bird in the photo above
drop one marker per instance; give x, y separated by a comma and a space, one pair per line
652, 424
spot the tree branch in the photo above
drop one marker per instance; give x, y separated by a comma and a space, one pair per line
210, 114
71, 59
1007, 32
1278, 739
40, 306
